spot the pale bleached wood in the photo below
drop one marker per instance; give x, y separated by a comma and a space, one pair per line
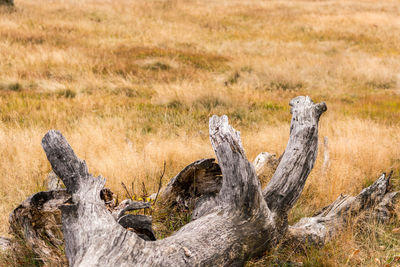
234, 218
299, 157
233, 226
37, 221
375, 202
235, 230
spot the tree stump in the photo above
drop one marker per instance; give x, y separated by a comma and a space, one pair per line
233, 219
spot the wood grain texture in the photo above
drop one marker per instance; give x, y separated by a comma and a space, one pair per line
299, 157
375, 202
36, 221
197, 182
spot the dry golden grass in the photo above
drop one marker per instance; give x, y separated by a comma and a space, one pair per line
132, 83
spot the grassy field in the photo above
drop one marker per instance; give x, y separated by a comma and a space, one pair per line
132, 84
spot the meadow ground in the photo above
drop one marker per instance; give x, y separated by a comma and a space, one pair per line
132, 84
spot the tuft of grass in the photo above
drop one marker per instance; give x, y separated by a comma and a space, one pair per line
158, 66
15, 87
232, 79
68, 93
175, 104
19, 255
376, 84
209, 102
167, 221
284, 85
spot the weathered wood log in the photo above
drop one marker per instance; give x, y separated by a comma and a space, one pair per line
375, 202
197, 184
200, 178
37, 221
233, 219
104, 242
234, 225
201, 181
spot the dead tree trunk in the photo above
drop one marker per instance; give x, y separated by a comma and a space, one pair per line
239, 222
232, 218
195, 183
36, 221
241, 212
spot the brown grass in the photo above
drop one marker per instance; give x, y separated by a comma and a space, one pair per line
133, 83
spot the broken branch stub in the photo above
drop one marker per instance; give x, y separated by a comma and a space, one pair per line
240, 186
86, 221
375, 202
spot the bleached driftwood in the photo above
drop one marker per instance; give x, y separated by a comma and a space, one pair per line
235, 224
53, 182
299, 157
375, 202
233, 218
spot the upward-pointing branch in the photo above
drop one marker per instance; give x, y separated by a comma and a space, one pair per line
299, 157
241, 188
